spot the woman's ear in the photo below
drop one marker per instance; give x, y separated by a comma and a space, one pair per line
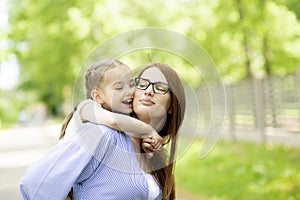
95, 94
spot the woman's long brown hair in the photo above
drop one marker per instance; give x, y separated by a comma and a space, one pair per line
163, 165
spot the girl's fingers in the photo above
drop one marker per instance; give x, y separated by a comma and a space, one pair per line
148, 140
157, 147
147, 147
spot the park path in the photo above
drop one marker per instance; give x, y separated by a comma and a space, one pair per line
21, 146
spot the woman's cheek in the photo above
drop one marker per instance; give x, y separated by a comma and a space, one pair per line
157, 111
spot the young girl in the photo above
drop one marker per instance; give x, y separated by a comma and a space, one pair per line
105, 82
95, 148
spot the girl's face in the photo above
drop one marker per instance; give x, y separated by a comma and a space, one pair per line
117, 89
151, 104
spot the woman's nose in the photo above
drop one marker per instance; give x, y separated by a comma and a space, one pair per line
149, 90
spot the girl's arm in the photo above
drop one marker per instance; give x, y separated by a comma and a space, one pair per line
89, 110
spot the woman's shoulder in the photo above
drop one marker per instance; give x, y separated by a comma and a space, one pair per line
92, 134
92, 129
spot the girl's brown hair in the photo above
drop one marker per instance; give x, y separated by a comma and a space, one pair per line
93, 78
163, 166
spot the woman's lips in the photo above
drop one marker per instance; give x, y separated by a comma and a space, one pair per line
147, 102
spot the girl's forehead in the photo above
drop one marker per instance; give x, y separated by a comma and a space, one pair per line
118, 73
120, 70
154, 75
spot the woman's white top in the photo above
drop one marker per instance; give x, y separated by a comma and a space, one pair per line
154, 189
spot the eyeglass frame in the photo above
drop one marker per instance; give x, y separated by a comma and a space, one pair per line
136, 80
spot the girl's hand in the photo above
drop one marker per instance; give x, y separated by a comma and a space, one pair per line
147, 148
152, 143
157, 142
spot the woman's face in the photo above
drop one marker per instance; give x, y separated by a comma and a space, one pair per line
148, 105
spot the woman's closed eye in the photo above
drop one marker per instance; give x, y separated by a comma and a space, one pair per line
143, 85
161, 88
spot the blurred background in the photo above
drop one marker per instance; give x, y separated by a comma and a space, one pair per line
254, 44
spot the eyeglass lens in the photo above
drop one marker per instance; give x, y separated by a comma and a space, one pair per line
158, 87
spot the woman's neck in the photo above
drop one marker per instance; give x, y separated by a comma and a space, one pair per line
141, 157
156, 123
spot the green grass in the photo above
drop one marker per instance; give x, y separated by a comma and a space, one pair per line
240, 171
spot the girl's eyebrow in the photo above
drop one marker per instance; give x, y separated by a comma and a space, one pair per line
122, 82
119, 82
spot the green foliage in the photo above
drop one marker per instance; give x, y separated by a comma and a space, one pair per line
52, 39
293, 5
241, 171
48, 49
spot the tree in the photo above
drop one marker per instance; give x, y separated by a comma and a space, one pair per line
49, 45
51, 40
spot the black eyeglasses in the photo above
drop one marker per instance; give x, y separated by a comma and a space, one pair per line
158, 87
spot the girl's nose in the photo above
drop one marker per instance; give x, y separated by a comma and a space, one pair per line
130, 90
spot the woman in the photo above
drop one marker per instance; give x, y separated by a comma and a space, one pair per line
164, 110
159, 100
